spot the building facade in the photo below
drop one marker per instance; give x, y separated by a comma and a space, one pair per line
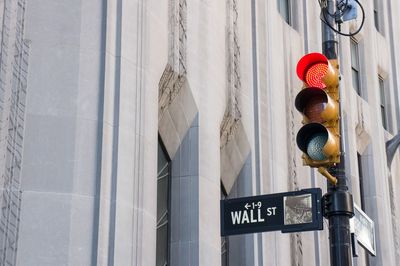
124, 123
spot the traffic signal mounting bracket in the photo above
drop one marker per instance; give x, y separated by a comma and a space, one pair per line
323, 171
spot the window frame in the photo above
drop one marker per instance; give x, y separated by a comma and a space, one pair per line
285, 14
169, 176
224, 239
355, 66
361, 184
383, 104
361, 180
376, 15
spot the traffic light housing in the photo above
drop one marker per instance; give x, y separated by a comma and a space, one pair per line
318, 102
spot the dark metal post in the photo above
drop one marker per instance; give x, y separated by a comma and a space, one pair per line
338, 201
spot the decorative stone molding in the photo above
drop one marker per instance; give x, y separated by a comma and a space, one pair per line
363, 126
176, 109
363, 138
232, 113
14, 53
174, 74
176, 105
234, 145
228, 128
233, 155
177, 45
169, 86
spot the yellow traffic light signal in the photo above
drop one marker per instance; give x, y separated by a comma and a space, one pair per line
318, 101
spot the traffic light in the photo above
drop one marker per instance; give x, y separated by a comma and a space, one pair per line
318, 101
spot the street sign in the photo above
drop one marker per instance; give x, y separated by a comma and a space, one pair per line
364, 229
288, 212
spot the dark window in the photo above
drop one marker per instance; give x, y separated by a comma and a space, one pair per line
224, 251
362, 194
224, 239
284, 8
383, 103
355, 66
163, 191
361, 180
376, 15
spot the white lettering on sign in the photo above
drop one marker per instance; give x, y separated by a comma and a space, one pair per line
236, 217
271, 211
242, 217
260, 219
245, 217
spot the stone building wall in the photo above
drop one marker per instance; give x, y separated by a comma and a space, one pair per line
88, 87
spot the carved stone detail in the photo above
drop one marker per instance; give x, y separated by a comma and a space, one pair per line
232, 113
177, 45
14, 53
174, 74
169, 87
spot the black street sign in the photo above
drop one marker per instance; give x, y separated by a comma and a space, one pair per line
288, 212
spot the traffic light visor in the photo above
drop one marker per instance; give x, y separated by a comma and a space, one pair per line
312, 69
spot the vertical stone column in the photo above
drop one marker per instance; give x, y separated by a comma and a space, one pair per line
128, 188
88, 180
60, 159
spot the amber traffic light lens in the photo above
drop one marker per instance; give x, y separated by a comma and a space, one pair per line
315, 74
314, 107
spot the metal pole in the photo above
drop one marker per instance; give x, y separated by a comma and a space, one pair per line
338, 201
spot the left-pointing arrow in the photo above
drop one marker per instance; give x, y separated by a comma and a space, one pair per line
247, 206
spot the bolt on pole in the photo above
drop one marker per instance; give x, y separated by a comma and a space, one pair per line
338, 201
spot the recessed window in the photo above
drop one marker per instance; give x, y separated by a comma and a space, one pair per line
376, 15
361, 180
362, 192
224, 239
355, 66
284, 8
224, 251
163, 194
383, 103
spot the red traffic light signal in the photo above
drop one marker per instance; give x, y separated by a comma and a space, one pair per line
315, 70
